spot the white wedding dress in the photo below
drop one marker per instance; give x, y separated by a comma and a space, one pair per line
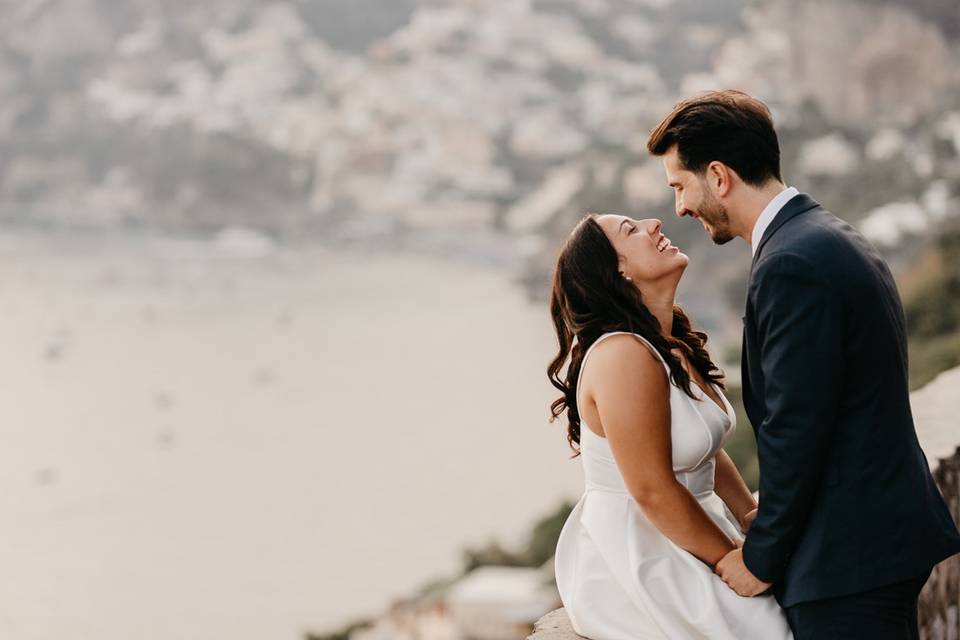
621, 579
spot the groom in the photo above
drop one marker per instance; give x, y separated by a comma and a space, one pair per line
850, 522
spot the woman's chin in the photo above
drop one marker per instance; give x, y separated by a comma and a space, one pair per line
674, 265
681, 260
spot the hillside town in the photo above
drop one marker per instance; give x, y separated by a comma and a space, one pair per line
469, 116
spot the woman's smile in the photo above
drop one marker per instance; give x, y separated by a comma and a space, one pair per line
664, 244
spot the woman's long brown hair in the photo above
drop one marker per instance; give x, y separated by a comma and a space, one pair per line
591, 298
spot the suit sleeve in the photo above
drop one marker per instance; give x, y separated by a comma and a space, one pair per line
800, 327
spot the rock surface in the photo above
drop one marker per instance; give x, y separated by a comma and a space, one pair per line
553, 626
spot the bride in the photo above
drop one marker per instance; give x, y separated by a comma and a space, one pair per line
663, 502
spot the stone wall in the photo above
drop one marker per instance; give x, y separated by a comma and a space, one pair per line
940, 598
936, 410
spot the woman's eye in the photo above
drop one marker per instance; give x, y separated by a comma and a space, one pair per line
632, 229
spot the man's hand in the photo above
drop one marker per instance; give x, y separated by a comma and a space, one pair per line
748, 520
737, 576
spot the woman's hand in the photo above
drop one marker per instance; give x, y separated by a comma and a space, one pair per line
735, 573
748, 519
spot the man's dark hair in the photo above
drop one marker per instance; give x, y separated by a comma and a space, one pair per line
727, 126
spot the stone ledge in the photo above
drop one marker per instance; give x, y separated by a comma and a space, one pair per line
553, 626
936, 411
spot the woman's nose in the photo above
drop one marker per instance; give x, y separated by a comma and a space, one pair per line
654, 225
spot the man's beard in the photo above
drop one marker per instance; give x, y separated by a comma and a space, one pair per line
715, 215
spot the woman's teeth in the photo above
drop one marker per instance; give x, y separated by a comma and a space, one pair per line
663, 244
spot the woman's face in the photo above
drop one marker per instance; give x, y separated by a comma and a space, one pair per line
644, 253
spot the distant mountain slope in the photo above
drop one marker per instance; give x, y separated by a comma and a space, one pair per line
446, 119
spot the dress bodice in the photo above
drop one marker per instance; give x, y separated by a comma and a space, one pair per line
698, 430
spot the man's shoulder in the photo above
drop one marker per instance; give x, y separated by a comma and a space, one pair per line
814, 246
816, 236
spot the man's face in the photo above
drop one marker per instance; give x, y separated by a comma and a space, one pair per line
693, 197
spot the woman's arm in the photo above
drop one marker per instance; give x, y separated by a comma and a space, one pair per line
729, 485
632, 398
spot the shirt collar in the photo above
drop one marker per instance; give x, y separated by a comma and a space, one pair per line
768, 214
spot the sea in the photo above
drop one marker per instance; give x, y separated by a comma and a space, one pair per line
226, 437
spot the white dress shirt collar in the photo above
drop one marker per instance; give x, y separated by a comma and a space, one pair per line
768, 214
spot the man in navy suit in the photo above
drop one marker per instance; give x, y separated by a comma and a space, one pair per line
850, 522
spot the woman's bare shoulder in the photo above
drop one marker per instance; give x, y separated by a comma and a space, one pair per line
623, 359
626, 386
625, 350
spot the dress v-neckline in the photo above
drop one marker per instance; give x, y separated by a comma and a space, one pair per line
705, 396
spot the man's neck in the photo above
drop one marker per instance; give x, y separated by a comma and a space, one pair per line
753, 204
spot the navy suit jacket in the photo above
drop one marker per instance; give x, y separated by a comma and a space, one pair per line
847, 501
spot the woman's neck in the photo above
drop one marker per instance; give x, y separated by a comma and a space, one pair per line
660, 304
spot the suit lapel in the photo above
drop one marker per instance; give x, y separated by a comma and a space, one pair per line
800, 203
796, 205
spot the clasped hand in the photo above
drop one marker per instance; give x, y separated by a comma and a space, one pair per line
735, 573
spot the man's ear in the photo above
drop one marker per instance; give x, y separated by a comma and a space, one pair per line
719, 178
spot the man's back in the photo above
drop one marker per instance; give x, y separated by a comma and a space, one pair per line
852, 503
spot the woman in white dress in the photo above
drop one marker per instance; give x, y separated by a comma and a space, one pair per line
663, 502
